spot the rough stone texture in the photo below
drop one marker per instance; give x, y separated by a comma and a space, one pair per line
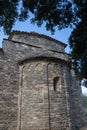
8, 93
38, 90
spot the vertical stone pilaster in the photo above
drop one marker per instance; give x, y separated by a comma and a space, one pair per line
67, 85
33, 97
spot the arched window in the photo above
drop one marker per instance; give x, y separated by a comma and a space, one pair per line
55, 83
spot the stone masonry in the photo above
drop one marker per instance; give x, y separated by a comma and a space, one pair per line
38, 89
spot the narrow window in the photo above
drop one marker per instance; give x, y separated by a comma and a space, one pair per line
55, 83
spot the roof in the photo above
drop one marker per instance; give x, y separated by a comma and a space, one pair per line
35, 34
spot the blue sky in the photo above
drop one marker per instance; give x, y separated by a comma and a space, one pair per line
61, 35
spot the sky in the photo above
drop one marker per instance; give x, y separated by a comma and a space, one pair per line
26, 26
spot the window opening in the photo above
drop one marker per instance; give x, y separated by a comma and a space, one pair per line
55, 83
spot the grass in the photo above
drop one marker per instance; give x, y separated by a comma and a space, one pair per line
85, 111
83, 128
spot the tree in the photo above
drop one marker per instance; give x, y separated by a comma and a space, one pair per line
8, 14
78, 41
78, 44
54, 13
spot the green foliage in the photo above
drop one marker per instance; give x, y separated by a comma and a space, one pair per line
85, 103
8, 14
78, 44
78, 40
53, 12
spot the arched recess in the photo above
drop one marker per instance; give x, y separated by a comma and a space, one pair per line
55, 83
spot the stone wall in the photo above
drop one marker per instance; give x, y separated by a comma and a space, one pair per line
38, 91
77, 114
8, 93
42, 106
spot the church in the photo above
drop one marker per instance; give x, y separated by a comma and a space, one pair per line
38, 88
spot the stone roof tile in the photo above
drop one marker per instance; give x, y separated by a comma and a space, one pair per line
35, 34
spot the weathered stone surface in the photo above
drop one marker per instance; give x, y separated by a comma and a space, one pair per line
8, 93
38, 90
21, 51
37, 40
